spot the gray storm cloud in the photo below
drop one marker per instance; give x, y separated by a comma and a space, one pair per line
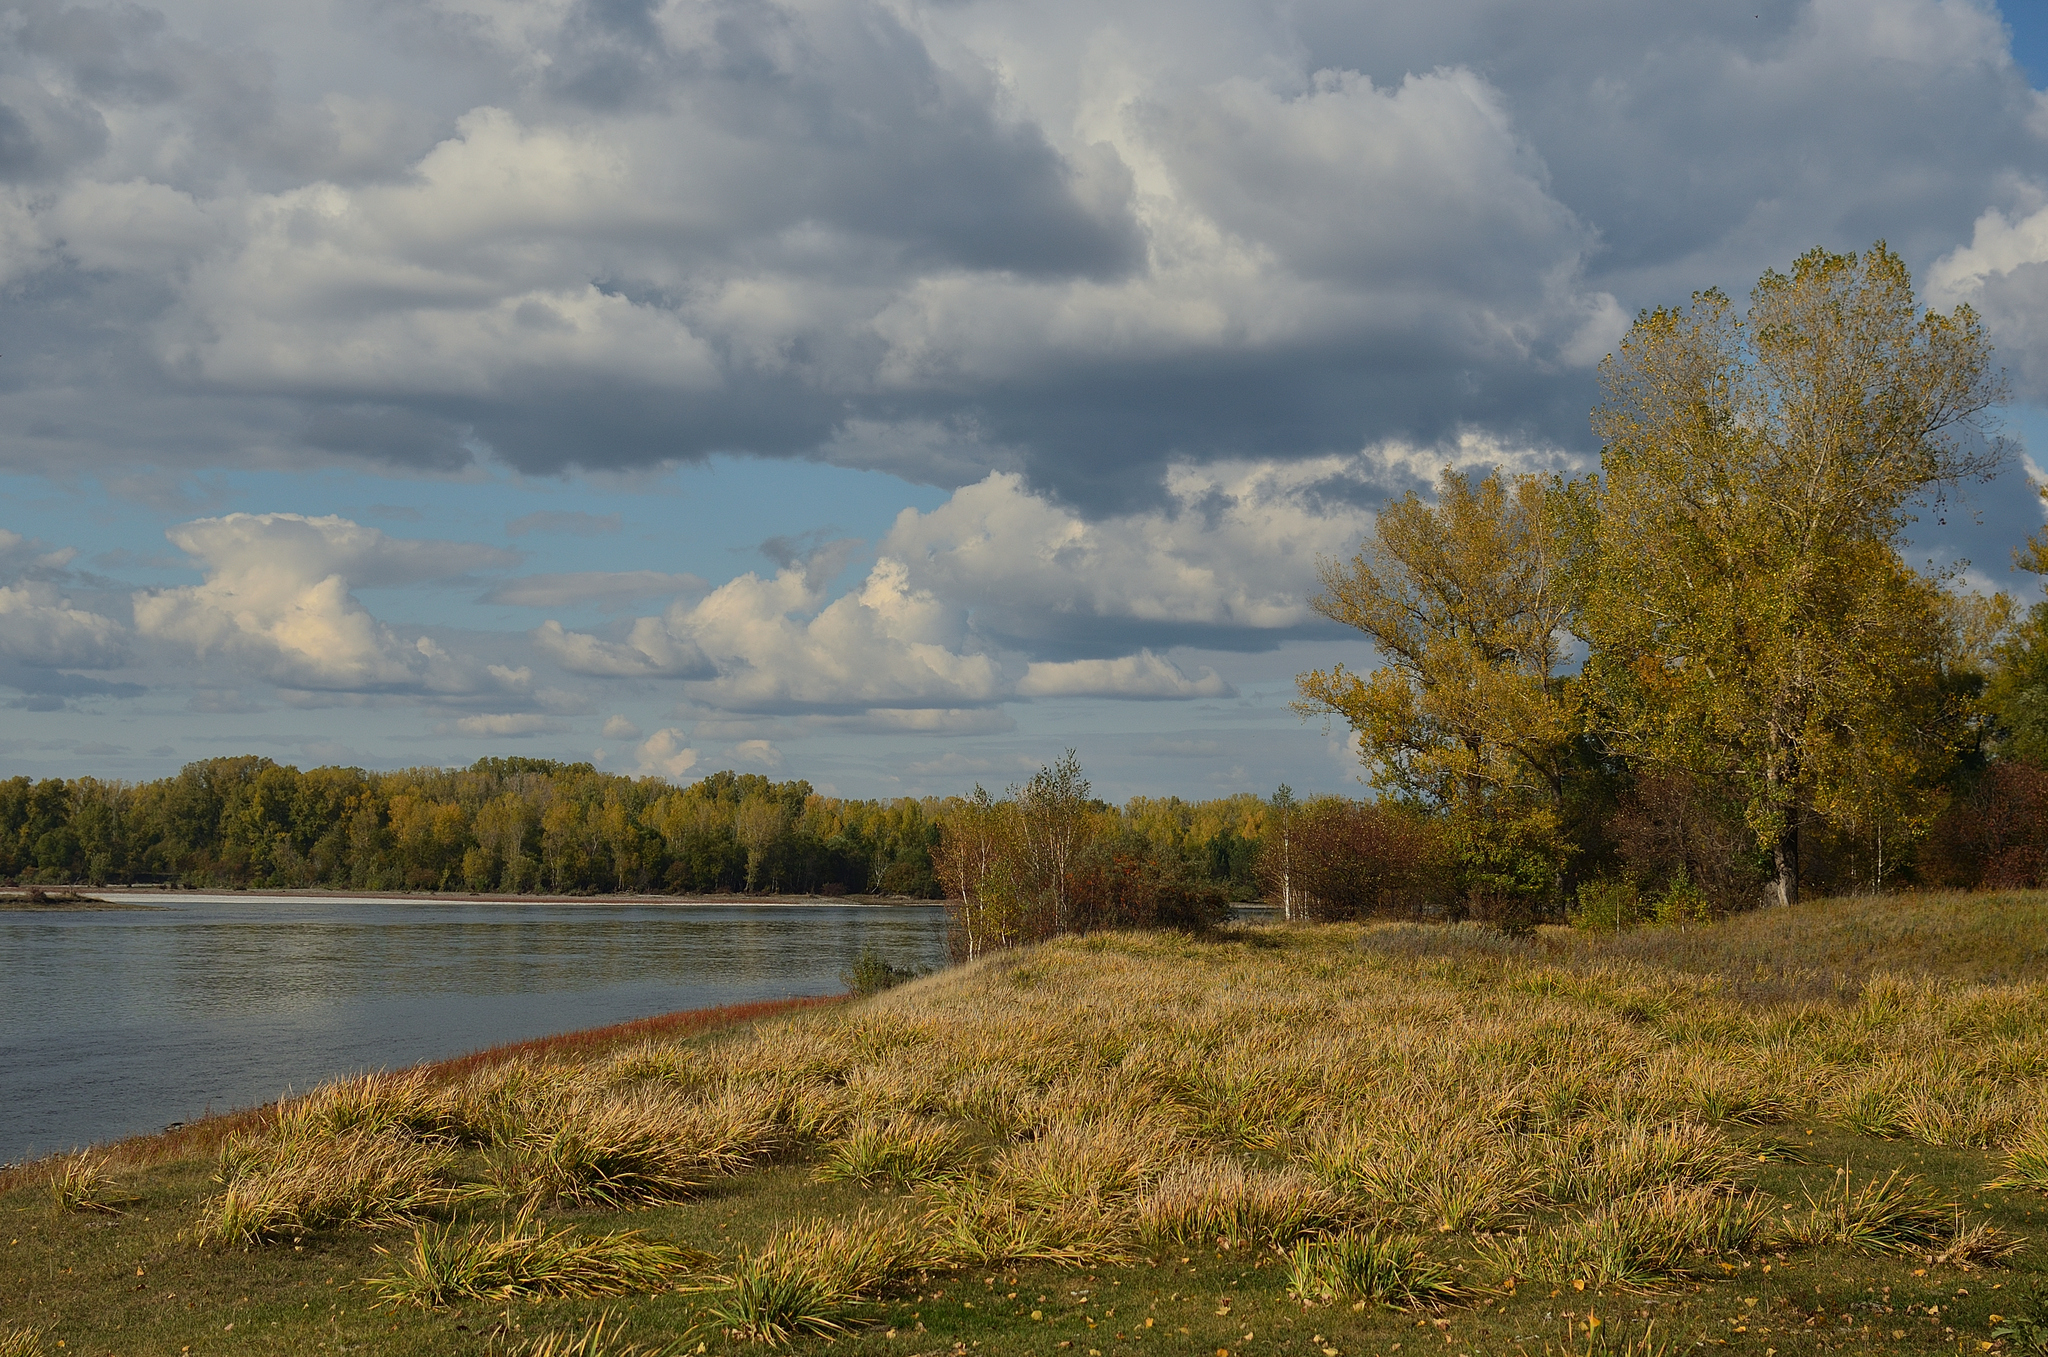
1083, 243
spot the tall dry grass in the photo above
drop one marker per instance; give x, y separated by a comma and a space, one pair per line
1568, 1107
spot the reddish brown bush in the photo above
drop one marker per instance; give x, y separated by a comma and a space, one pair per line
1357, 859
1996, 835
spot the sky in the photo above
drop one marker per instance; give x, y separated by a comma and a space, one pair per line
889, 393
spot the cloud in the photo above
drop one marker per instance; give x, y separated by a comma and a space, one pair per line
650, 650
760, 753
664, 755
1143, 675
619, 728
1228, 560
601, 587
1080, 243
2003, 273
501, 725
573, 524
278, 594
40, 628
776, 644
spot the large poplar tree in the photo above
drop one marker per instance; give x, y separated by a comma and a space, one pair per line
1749, 614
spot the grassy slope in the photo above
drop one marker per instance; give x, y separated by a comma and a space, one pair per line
1292, 1051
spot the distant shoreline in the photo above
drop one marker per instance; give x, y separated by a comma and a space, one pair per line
494, 897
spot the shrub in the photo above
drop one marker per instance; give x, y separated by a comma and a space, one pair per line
1609, 906
871, 973
1358, 859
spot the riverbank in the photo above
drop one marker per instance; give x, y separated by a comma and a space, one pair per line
1274, 1140
205, 1135
501, 898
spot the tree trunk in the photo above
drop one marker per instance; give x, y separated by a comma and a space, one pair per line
1785, 859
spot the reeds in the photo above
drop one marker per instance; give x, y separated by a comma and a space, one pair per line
444, 1265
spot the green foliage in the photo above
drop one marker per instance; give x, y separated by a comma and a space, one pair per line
871, 973
1748, 611
2026, 1327
1609, 905
1466, 602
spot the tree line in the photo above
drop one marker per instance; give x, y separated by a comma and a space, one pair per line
524, 826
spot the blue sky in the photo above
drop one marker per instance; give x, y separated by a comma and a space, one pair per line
889, 394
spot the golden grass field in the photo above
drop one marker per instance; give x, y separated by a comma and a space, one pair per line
1817, 1129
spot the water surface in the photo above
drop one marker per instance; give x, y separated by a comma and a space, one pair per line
114, 1022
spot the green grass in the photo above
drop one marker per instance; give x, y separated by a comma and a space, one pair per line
1819, 1130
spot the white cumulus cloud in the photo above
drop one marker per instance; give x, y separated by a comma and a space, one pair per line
665, 755
1143, 675
279, 593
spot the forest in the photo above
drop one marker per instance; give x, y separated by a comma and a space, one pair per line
521, 825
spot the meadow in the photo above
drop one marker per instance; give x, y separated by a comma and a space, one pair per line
1815, 1129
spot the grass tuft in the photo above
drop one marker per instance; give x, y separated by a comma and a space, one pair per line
902, 1150
362, 1178
1892, 1214
520, 1258
1224, 1200
815, 1277
602, 1339
1641, 1242
1391, 1270
83, 1182
20, 1342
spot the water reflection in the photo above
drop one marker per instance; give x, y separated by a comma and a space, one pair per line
113, 1022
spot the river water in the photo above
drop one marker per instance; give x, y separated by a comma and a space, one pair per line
114, 1022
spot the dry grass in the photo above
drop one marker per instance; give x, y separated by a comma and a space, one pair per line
1394, 1270
605, 1338
901, 1150
288, 1187
816, 1276
1223, 1200
84, 1182
20, 1342
445, 1265
1570, 1109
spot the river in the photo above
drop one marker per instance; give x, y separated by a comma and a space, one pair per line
119, 1021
